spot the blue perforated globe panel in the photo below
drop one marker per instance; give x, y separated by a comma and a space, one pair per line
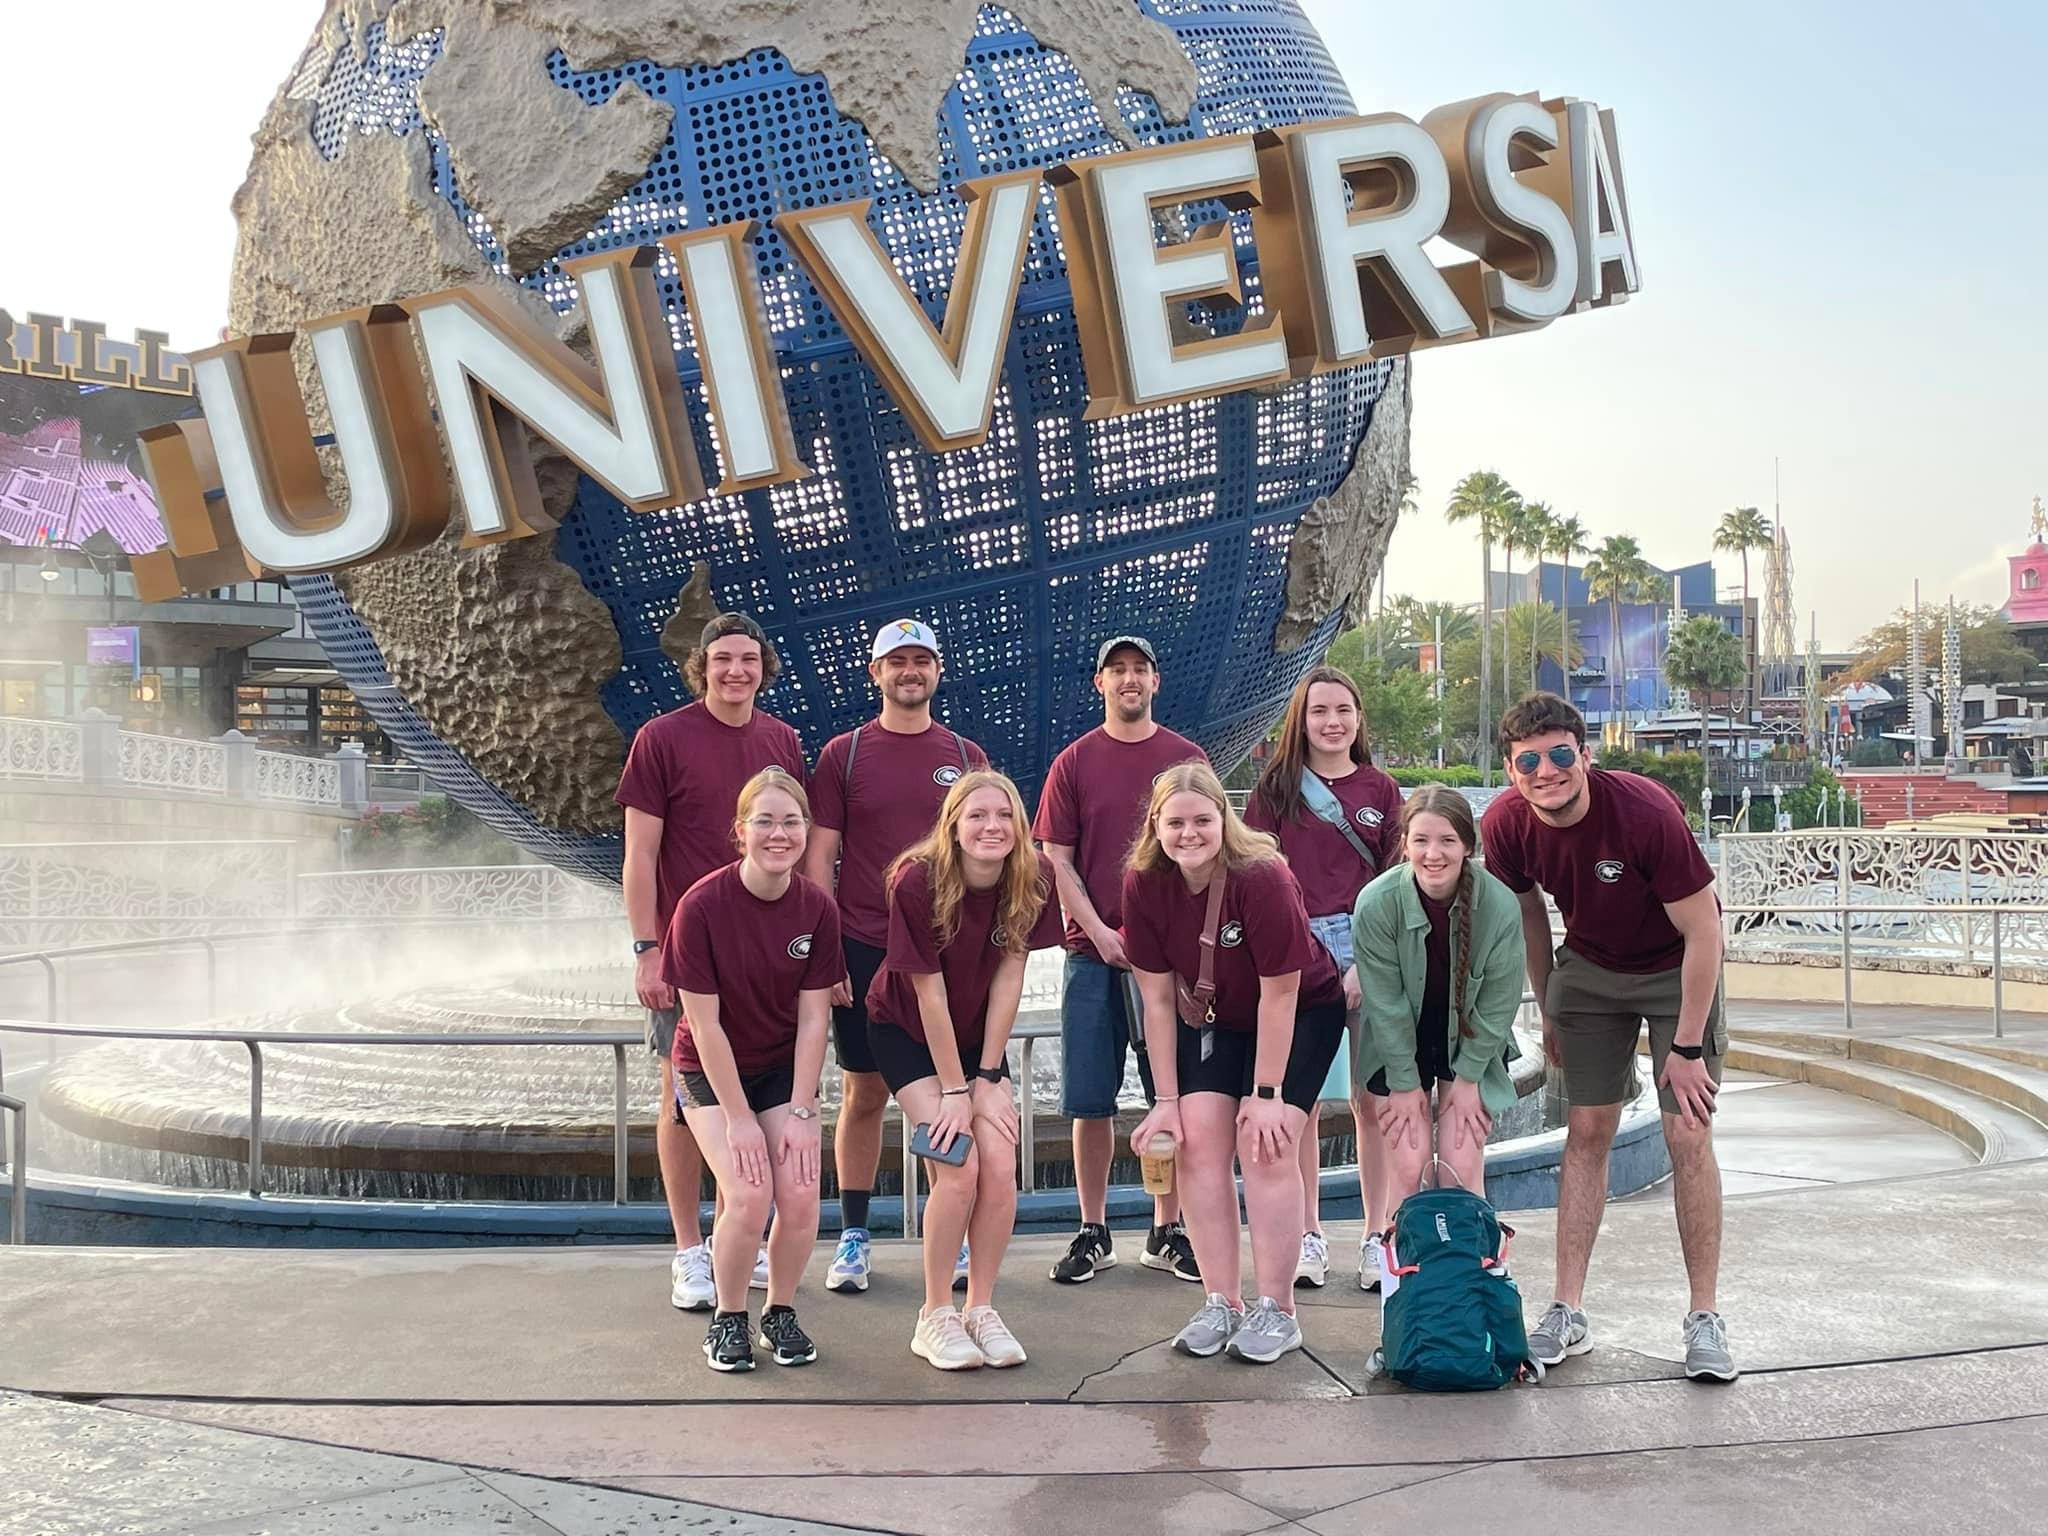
1023, 553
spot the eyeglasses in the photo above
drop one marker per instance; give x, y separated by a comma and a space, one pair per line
1561, 756
761, 826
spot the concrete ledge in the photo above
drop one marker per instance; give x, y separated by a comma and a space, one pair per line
1818, 979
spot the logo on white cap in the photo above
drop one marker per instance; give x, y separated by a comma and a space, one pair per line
898, 633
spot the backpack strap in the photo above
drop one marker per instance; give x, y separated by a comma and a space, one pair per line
960, 746
1323, 801
846, 773
1198, 1005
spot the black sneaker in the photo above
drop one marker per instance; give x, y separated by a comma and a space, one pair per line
780, 1333
1089, 1251
1168, 1248
726, 1347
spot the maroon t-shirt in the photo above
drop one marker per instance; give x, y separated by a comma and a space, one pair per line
755, 956
968, 963
1611, 874
1329, 868
688, 767
1263, 931
1094, 803
897, 786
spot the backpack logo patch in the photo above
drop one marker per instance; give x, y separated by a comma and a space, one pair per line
1371, 816
800, 947
1443, 1228
947, 776
1230, 935
1608, 871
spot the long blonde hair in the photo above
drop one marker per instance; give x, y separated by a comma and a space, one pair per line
1241, 844
1022, 891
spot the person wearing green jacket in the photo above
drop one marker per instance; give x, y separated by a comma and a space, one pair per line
1438, 943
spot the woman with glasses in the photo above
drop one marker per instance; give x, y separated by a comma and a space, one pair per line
754, 954
1334, 815
967, 905
1439, 944
1237, 1072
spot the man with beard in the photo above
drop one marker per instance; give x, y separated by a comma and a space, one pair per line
1089, 813
877, 790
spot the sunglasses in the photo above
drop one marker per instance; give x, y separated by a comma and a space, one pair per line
1561, 756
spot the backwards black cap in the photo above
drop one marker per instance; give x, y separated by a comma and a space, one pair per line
731, 624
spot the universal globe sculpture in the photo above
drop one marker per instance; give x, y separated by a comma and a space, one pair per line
420, 145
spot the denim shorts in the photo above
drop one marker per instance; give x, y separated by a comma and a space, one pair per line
1335, 933
1096, 1032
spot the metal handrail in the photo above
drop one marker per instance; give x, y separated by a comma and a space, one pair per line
17, 1210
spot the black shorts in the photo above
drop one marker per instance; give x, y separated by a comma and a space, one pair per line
764, 1090
1432, 1062
903, 1059
1318, 1032
850, 1024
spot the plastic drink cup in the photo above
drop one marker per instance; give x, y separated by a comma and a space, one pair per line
1156, 1163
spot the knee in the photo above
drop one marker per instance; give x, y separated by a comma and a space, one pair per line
1688, 1143
1589, 1131
747, 1204
863, 1095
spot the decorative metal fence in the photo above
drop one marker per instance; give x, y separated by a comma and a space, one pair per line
57, 895
95, 752
175, 763
481, 891
42, 749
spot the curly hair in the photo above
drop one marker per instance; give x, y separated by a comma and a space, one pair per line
693, 665
1538, 714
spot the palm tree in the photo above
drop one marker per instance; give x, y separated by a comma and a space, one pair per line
1739, 532
1533, 525
1617, 573
1533, 627
1567, 538
1702, 657
1410, 503
1485, 499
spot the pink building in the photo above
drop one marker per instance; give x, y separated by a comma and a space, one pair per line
2027, 579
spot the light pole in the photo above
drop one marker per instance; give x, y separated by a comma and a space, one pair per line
1436, 667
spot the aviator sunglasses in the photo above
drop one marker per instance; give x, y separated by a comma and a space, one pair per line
1561, 756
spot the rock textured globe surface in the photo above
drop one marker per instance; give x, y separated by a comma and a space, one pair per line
427, 143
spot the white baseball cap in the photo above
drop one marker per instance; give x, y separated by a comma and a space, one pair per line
897, 633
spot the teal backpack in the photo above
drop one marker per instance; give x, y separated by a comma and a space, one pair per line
1451, 1320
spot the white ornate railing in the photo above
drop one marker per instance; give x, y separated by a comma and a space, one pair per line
175, 763
299, 780
41, 749
1963, 874
479, 891
60, 894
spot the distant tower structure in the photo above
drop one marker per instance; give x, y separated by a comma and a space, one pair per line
1780, 649
1816, 703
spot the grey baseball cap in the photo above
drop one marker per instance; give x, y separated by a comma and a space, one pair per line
1136, 642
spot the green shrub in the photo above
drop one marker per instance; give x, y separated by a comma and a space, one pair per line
1457, 775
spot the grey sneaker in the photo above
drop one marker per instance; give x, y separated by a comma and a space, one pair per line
1706, 1348
1369, 1252
1266, 1333
1563, 1331
1211, 1328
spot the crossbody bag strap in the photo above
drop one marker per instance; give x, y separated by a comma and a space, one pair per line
1197, 1005
1323, 801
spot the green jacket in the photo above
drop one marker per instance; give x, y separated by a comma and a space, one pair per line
1388, 932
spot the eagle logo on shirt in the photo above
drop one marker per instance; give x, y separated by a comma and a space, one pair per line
1608, 870
947, 776
1230, 935
999, 936
1371, 816
800, 947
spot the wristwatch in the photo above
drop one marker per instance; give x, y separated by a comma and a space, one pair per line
1689, 1052
1265, 1091
641, 946
802, 1112
989, 1074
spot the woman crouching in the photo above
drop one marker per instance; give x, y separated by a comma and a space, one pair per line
966, 908
754, 954
1244, 1012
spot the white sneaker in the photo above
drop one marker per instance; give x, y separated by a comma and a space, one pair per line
999, 1346
1314, 1268
689, 1280
960, 1270
849, 1271
941, 1339
1369, 1253
759, 1279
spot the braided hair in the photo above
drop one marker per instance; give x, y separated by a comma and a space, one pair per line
1442, 800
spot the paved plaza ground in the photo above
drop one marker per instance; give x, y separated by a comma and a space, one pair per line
1885, 1295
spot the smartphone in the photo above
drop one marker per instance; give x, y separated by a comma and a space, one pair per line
953, 1157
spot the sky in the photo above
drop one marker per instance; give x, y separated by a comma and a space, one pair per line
1840, 207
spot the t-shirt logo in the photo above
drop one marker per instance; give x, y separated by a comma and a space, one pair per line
1608, 870
1230, 935
946, 776
800, 947
999, 936
1371, 816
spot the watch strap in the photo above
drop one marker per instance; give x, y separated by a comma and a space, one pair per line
641, 946
989, 1074
1689, 1052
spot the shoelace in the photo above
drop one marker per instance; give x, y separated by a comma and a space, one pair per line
1217, 1314
696, 1264
947, 1324
989, 1329
1084, 1242
1265, 1318
849, 1249
782, 1328
1708, 1326
731, 1334
1315, 1245
1559, 1315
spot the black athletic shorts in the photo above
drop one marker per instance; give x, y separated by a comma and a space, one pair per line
902, 1058
850, 1024
1432, 1062
764, 1090
1233, 1060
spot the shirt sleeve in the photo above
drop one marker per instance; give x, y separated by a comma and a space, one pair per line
828, 788
1050, 931
1258, 818
1674, 863
976, 758
1276, 922
1144, 944
913, 948
1497, 842
1059, 817
643, 786
827, 963
793, 757
1386, 837
686, 958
